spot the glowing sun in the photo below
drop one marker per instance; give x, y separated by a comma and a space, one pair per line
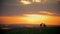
33, 18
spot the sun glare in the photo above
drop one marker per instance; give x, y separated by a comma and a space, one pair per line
33, 18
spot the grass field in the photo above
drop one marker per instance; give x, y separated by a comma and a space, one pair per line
46, 30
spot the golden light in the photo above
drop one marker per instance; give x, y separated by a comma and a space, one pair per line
34, 18
25, 2
31, 19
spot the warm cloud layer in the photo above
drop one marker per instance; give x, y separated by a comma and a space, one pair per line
13, 7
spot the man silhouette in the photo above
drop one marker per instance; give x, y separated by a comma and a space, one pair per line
42, 25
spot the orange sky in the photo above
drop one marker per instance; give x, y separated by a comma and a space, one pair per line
31, 19
30, 12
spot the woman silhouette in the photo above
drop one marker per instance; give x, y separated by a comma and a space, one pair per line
42, 25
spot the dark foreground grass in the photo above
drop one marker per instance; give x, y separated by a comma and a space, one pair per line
47, 30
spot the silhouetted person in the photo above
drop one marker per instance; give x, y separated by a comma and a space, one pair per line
43, 25
43, 28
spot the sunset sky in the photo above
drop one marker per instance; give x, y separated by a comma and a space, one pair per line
30, 12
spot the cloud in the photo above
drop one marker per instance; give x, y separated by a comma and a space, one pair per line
46, 12
14, 7
49, 13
